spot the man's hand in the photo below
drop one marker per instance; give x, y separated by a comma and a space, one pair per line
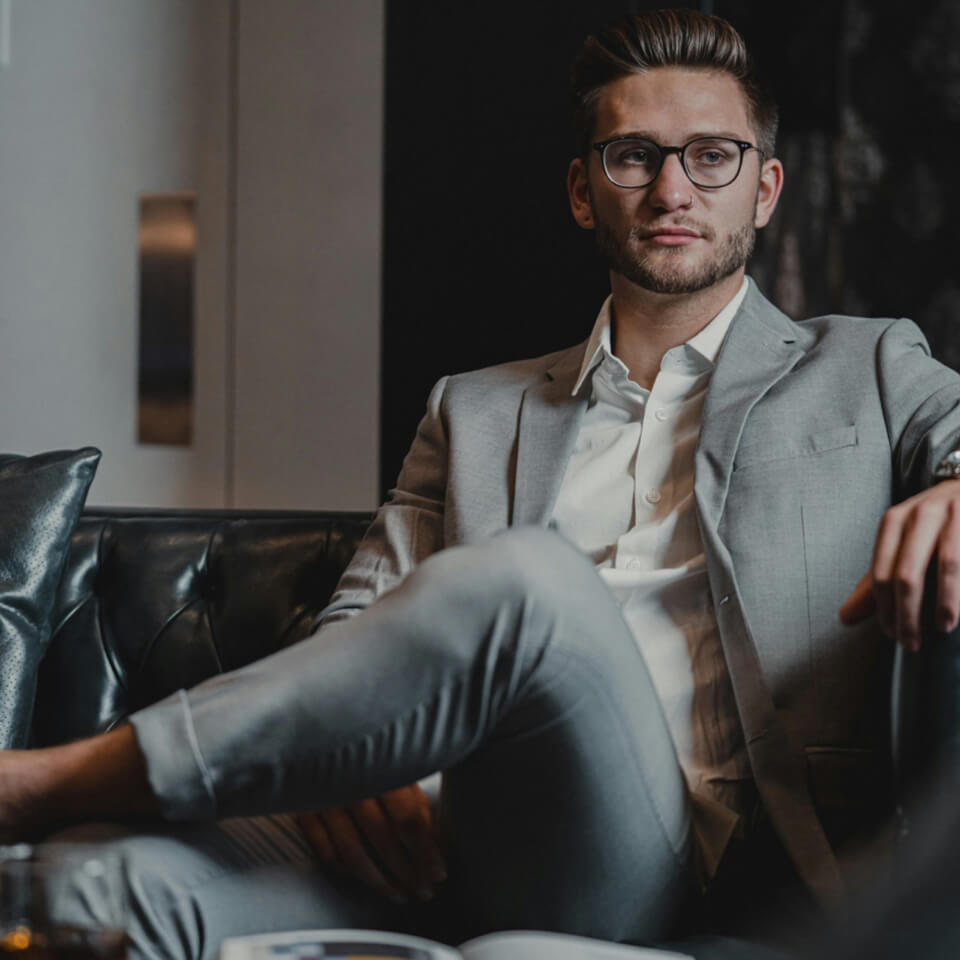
387, 843
910, 533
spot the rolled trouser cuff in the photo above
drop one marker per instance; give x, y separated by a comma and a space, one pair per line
176, 770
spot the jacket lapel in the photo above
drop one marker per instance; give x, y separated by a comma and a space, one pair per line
759, 349
549, 421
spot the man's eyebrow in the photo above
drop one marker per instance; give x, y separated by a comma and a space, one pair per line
649, 135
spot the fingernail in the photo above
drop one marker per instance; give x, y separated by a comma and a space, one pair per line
394, 896
438, 872
425, 893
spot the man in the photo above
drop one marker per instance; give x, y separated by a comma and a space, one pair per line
612, 744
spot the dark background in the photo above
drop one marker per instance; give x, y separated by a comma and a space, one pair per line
482, 260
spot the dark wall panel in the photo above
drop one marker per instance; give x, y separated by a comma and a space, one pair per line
482, 260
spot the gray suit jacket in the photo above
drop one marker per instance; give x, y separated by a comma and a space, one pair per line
810, 432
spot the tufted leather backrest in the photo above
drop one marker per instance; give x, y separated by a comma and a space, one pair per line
152, 601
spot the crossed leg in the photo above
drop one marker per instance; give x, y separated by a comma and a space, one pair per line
507, 665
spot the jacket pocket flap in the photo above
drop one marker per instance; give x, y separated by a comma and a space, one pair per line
788, 448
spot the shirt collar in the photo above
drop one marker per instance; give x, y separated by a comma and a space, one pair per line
706, 343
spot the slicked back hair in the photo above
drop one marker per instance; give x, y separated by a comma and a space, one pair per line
666, 38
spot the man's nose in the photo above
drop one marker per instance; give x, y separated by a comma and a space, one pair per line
672, 190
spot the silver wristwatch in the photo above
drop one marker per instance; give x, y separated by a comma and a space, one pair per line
948, 468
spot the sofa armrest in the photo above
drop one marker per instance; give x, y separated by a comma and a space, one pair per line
925, 714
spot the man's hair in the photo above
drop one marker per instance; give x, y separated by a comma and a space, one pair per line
666, 38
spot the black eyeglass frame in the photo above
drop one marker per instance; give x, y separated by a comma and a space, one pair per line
601, 148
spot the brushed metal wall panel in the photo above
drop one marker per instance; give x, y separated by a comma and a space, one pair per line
167, 251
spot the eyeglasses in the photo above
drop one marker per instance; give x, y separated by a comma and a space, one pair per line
708, 162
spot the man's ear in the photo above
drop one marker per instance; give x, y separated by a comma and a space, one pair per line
578, 192
771, 183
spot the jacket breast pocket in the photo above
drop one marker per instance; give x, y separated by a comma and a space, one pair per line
773, 450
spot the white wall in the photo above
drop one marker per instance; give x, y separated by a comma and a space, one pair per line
97, 105
310, 146
106, 99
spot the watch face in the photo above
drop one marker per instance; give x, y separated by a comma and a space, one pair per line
949, 466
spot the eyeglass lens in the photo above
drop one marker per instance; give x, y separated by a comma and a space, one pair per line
709, 162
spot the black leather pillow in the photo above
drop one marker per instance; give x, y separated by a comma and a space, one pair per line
40, 500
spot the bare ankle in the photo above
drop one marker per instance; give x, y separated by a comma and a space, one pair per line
104, 776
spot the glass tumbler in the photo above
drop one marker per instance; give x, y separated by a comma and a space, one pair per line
61, 902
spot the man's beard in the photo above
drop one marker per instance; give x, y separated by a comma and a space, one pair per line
666, 272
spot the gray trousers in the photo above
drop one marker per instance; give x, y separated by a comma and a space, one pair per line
508, 666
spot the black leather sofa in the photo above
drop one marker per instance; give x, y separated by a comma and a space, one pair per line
152, 601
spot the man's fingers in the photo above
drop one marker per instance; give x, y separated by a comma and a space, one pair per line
381, 835
919, 540
316, 833
910, 534
386, 842
409, 811
908, 538
948, 571
885, 553
353, 854
861, 602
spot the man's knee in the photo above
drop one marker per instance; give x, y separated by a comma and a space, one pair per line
520, 565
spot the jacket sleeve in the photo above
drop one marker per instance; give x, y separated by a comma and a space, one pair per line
406, 529
921, 399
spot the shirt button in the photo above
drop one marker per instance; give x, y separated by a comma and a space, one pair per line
660, 414
634, 563
724, 599
652, 496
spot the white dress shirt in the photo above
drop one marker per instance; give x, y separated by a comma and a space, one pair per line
627, 501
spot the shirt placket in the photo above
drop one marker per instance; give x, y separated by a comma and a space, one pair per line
654, 486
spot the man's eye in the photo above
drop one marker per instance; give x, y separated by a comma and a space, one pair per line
635, 157
711, 157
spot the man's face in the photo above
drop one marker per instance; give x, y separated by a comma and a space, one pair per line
671, 236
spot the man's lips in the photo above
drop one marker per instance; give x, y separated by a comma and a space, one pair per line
670, 236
